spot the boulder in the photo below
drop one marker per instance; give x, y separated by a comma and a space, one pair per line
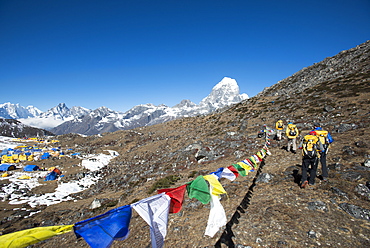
264, 178
356, 211
317, 205
363, 190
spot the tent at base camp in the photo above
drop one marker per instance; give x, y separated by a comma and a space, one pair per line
7, 167
31, 167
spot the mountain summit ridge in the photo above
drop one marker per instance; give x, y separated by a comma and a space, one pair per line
61, 119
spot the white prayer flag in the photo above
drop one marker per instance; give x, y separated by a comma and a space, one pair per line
154, 210
217, 216
227, 173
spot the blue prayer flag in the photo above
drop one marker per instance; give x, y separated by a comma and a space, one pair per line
102, 230
218, 172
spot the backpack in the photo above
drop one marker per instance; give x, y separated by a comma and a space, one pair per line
323, 137
309, 146
292, 130
280, 125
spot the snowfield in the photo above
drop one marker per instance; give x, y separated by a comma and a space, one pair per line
13, 191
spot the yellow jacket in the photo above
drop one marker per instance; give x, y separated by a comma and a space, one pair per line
291, 131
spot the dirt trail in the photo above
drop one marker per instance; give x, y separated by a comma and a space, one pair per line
281, 214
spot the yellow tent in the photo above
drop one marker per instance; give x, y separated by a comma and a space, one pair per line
6, 174
22, 157
7, 159
30, 158
24, 177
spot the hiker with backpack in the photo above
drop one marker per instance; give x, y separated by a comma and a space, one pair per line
325, 139
311, 148
279, 125
292, 134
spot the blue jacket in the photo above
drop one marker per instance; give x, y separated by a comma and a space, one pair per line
330, 139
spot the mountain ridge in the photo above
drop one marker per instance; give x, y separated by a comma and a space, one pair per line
346, 63
61, 119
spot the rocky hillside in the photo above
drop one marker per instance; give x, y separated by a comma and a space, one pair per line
347, 63
266, 208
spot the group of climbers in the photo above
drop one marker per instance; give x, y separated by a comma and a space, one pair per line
314, 146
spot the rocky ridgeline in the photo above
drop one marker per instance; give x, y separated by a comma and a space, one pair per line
342, 65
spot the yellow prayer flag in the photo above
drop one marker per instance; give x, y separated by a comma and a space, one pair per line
246, 167
217, 187
31, 236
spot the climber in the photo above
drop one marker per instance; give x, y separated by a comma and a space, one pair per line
325, 139
279, 125
311, 148
292, 134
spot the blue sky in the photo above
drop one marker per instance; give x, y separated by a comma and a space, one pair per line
124, 53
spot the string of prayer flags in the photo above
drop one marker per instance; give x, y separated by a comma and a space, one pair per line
177, 197
102, 230
198, 188
154, 210
32, 236
217, 215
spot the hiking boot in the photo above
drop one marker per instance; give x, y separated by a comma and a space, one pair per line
304, 184
325, 179
311, 186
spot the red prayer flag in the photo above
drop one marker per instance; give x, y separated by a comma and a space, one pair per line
177, 197
234, 170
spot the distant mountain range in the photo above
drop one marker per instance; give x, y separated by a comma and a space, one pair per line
63, 120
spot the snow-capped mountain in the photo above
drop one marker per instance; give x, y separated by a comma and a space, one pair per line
225, 93
62, 112
100, 120
15, 111
54, 116
62, 120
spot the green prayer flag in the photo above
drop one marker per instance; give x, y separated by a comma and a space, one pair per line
240, 169
199, 189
